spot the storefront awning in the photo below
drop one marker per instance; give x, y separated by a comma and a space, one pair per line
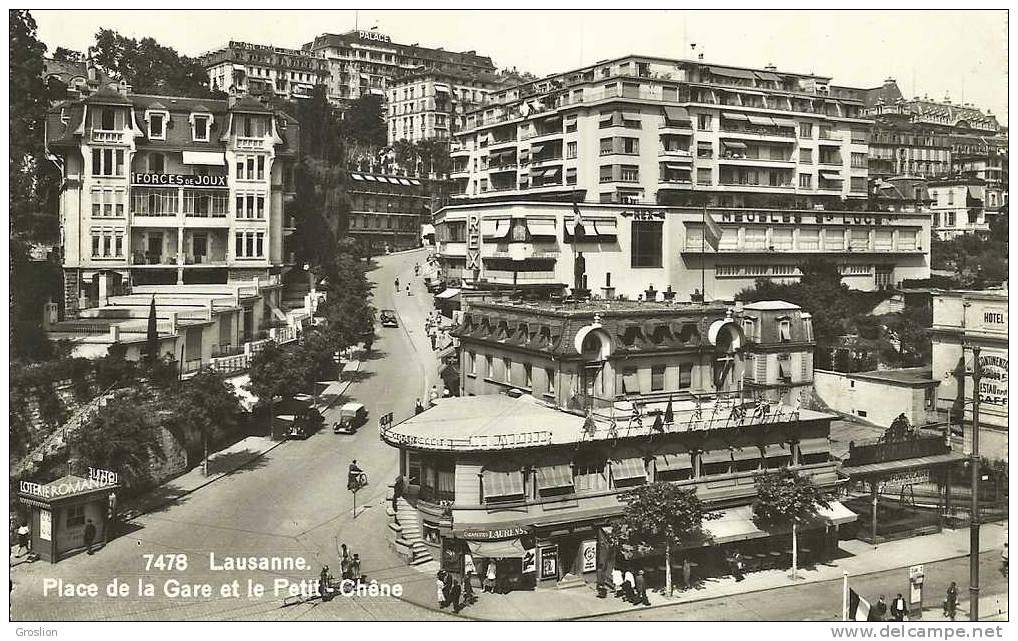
728, 115
629, 468
716, 456
761, 120
735, 524
508, 549
495, 228
497, 484
204, 158
814, 446
733, 144
357, 177
447, 294
669, 462
679, 115
554, 476
541, 227
837, 514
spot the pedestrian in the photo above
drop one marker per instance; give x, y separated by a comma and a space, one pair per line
737, 566
355, 569
951, 602
408, 291
111, 515
89, 535
344, 563
629, 586
489, 578
433, 396
440, 589
898, 608
418, 407
455, 590
641, 590
617, 582
397, 491
323, 580
687, 573
396, 283
24, 545
879, 610
469, 598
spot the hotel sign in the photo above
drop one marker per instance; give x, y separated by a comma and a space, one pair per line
373, 35
993, 383
870, 219
178, 180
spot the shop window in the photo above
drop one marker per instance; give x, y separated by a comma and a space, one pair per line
685, 375
646, 249
715, 462
590, 475
657, 378
528, 376
76, 514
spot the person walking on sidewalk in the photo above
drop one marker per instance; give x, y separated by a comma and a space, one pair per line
898, 608
396, 283
355, 569
408, 290
344, 563
418, 407
24, 546
454, 596
879, 610
489, 578
440, 590
89, 535
951, 602
641, 590
433, 396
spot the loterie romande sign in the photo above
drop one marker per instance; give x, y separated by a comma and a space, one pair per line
67, 487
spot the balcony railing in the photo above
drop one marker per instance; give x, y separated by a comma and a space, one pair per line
880, 451
250, 144
506, 277
108, 136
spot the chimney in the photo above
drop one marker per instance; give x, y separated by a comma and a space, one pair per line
889, 82
770, 67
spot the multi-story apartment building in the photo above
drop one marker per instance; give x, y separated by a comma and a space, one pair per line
778, 350
597, 398
244, 68
633, 250
175, 199
430, 105
387, 211
672, 132
958, 206
366, 62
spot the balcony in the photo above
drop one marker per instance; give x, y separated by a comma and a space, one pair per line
681, 155
148, 259
108, 136
506, 142
546, 159
200, 260
760, 133
246, 143
498, 169
751, 160
522, 278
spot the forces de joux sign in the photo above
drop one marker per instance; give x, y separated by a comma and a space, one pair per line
181, 180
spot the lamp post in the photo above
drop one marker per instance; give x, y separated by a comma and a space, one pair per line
974, 461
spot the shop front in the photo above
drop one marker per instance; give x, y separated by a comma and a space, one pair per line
62, 511
504, 559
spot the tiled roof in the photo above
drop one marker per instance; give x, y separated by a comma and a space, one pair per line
249, 104
108, 96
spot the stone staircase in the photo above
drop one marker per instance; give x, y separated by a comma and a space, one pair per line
406, 539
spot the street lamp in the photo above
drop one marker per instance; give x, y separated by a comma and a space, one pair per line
977, 374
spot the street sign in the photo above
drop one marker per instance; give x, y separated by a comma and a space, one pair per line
916, 576
385, 420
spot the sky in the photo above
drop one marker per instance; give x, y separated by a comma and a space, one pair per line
960, 54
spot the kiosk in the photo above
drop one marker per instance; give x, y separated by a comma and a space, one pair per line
61, 509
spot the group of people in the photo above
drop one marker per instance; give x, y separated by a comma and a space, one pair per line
630, 587
454, 593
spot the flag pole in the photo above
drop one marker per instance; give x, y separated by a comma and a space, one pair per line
844, 596
703, 257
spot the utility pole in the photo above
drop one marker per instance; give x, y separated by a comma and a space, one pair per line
974, 462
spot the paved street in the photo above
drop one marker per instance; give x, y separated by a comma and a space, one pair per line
291, 502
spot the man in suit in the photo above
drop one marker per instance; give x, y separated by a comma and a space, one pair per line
899, 610
641, 590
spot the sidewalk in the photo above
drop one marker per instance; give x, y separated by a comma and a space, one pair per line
860, 559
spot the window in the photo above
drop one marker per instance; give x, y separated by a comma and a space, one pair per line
809, 239
858, 160
260, 163
156, 130
550, 377
528, 376
507, 370
629, 174
471, 363
607, 146
489, 367
703, 122
657, 378
589, 475
631, 146
571, 149
950, 197
806, 157
250, 244
785, 330
571, 176
200, 128
646, 250
76, 513
107, 162
805, 130
107, 243
685, 375
570, 125
606, 174
703, 176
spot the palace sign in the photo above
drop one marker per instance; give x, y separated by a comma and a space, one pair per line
177, 180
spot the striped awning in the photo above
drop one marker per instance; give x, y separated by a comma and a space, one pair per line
675, 461
733, 144
498, 483
728, 115
784, 122
554, 476
629, 468
716, 456
814, 446
761, 120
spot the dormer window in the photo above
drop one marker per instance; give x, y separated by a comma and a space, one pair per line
109, 117
200, 125
785, 330
156, 127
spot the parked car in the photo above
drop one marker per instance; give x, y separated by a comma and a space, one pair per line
351, 417
434, 285
388, 318
306, 423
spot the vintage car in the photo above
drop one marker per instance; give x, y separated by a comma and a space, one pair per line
351, 417
306, 423
388, 318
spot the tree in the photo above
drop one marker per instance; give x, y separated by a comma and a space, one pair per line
320, 131
273, 373
365, 122
123, 437
784, 499
149, 67
663, 514
68, 55
204, 406
152, 335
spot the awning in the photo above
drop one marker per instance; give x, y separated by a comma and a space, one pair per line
554, 171
733, 144
669, 462
775, 450
784, 122
765, 75
370, 177
761, 120
357, 176
239, 68
630, 113
826, 175
837, 514
541, 227
631, 383
734, 116
205, 158
441, 88
677, 114
677, 167
735, 524
605, 228
554, 476
536, 149
404, 181
814, 446
447, 293
733, 73
508, 549
495, 228
716, 456
629, 468
746, 453
500, 484
704, 143
427, 229
415, 182
784, 370
608, 117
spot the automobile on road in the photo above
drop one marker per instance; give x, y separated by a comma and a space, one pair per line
306, 423
388, 318
351, 417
